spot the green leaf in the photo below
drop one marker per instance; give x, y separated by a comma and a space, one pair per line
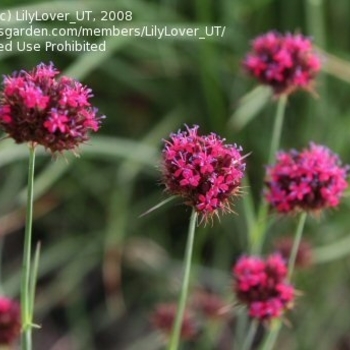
250, 106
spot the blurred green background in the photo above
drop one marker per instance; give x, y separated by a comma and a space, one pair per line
103, 269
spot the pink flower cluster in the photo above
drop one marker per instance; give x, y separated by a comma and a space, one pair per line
284, 62
10, 321
312, 179
261, 285
209, 305
39, 108
163, 319
202, 169
204, 306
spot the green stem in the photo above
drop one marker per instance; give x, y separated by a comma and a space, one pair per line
250, 336
175, 335
248, 205
240, 327
27, 339
271, 338
315, 11
277, 128
258, 232
33, 279
26, 314
296, 243
315, 21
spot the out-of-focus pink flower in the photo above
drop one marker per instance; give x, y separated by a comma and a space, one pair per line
209, 305
285, 62
163, 319
10, 321
284, 245
261, 285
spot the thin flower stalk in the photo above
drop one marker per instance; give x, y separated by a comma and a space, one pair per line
26, 309
248, 342
296, 244
277, 128
176, 332
271, 337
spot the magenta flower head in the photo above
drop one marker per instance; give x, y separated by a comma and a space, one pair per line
203, 170
261, 285
209, 305
41, 108
310, 180
163, 319
283, 62
10, 321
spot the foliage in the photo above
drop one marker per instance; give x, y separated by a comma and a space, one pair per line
102, 268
